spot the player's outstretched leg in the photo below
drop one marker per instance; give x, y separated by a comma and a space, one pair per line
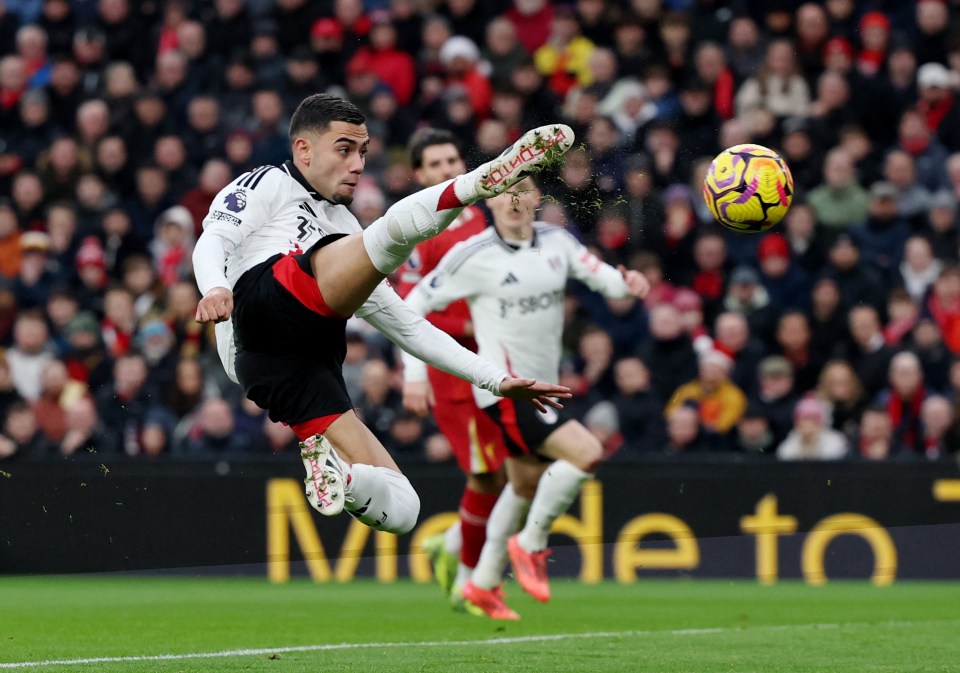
390, 240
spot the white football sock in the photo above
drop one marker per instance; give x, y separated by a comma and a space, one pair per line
464, 573
504, 521
453, 540
558, 487
414, 219
382, 499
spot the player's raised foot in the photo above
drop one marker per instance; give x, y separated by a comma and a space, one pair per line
444, 563
536, 149
327, 475
490, 601
530, 569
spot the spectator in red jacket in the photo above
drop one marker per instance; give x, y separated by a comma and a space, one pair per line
393, 67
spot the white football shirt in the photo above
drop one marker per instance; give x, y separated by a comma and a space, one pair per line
516, 295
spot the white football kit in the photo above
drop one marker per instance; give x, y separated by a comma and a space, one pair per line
272, 210
516, 295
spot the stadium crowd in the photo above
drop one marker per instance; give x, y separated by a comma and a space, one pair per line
835, 336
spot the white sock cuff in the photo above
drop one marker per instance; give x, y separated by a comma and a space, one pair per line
566, 469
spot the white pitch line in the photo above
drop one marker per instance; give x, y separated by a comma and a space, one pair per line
456, 643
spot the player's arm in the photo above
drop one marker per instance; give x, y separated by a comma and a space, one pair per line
405, 327
615, 283
234, 214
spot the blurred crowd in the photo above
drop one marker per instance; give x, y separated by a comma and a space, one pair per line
835, 336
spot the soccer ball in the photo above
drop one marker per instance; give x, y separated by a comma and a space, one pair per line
748, 188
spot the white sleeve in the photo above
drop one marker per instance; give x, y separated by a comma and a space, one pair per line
595, 273
409, 330
236, 212
209, 261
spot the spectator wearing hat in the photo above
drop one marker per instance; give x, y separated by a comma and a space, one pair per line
811, 438
776, 395
91, 264
840, 201
875, 38
746, 295
35, 278
882, 236
940, 227
461, 62
720, 402
938, 105
787, 284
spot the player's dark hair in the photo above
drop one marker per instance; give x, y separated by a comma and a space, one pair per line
429, 137
315, 113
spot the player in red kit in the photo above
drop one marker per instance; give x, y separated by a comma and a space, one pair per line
475, 439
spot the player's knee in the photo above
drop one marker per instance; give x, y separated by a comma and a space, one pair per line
406, 507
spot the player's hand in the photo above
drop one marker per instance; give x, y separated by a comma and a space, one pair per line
216, 306
637, 283
541, 395
418, 397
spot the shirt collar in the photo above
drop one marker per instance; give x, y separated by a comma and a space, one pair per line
512, 247
295, 173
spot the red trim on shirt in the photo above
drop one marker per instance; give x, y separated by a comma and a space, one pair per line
302, 285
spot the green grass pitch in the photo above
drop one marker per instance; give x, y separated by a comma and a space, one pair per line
661, 626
